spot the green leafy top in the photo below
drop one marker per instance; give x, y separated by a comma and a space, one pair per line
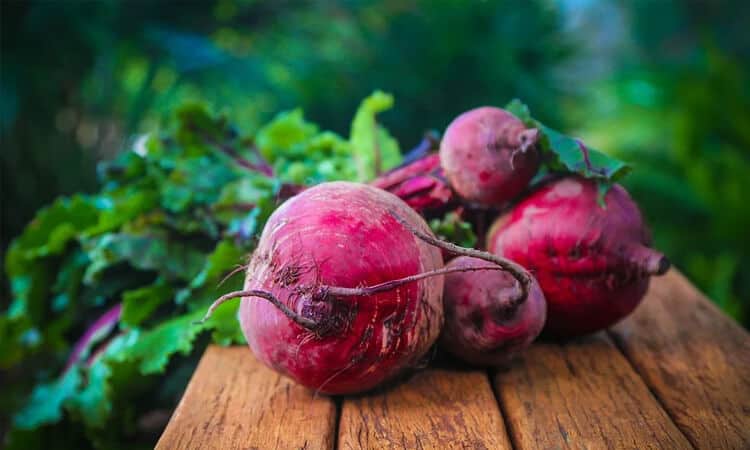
174, 215
567, 154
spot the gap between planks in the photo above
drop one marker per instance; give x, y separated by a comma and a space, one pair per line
695, 360
582, 393
233, 401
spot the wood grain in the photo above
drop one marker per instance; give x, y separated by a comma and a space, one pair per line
582, 394
234, 402
434, 409
695, 359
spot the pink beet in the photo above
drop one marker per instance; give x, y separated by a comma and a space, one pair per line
485, 323
341, 234
593, 263
488, 155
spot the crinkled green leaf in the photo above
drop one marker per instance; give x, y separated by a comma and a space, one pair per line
241, 196
153, 348
571, 157
226, 327
569, 154
108, 375
121, 206
197, 126
139, 304
284, 136
195, 181
371, 144
51, 230
94, 402
453, 229
46, 403
146, 252
17, 337
20, 333
521, 111
225, 257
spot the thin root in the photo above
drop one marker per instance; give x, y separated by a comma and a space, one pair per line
299, 320
518, 272
393, 284
234, 272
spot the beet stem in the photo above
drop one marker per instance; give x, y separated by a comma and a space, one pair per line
299, 320
393, 284
518, 272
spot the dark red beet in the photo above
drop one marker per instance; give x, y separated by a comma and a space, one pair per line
342, 234
488, 155
592, 263
485, 321
344, 290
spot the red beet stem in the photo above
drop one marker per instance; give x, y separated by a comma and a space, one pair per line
100, 328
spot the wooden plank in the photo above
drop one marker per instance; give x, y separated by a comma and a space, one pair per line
695, 359
434, 409
581, 394
233, 401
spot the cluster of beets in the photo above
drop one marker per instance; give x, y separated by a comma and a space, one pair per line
357, 288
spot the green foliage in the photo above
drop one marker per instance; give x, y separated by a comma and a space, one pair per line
174, 216
563, 153
375, 151
451, 228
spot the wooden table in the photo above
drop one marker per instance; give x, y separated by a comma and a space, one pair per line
675, 374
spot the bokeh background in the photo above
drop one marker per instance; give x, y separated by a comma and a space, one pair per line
662, 84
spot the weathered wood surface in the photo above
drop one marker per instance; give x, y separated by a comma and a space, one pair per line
582, 394
674, 375
234, 402
696, 361
434, 409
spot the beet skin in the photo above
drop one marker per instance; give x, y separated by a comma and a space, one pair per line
485, 322
488, 155
593, 263
342, 234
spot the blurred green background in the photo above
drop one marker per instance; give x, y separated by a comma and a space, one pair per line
662, 84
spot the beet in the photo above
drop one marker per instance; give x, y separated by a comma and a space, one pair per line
485, 323
352, 282
592, 262
488, 155
342, 234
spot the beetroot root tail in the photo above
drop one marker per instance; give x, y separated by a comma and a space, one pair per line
517, 271
299, 320
393, 284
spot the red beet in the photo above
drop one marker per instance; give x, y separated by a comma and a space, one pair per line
344, 290
341, 234
485, 322
593, 263
488, 155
